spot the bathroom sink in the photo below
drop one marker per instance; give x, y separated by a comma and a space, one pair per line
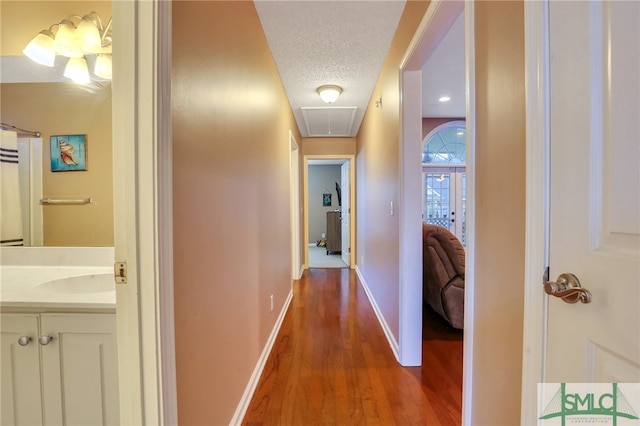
94, 283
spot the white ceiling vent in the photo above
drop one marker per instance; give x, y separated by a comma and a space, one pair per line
329, 121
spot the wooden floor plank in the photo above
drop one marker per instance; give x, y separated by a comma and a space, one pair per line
332, 365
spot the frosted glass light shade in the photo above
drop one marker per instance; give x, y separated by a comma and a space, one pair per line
77, 70
65, 41
102, 67
329, 94
87, 36
41, 49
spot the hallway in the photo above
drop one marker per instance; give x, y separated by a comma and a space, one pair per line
331, 364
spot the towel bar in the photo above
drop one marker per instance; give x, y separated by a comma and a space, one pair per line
66, 201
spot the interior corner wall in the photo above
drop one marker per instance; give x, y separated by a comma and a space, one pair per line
378, 177
499, 212
232, 236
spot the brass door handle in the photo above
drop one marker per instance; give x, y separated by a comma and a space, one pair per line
568, 288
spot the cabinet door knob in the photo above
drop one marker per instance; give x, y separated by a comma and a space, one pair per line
45, 340
24, 340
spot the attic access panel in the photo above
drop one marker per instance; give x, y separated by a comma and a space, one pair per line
329, 121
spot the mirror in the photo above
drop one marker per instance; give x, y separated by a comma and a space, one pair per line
39, 98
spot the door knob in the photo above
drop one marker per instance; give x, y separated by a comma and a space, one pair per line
45, 340
568, 288
24, 340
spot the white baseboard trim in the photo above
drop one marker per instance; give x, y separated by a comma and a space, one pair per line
383, 323
243, 405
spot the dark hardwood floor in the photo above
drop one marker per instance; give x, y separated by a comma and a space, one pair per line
331, 364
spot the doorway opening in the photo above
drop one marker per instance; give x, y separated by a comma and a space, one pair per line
328, 205
432, 36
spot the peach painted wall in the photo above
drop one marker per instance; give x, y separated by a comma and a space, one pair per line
329, 146
500, 212
231, 122
377, 174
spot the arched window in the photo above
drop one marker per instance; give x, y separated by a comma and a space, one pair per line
446, 144
444, 178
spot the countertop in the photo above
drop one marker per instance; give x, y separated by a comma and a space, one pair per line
55, 288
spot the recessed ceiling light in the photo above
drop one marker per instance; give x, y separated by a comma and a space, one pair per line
444, 99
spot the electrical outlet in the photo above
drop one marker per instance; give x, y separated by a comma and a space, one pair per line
391, 208
271, 303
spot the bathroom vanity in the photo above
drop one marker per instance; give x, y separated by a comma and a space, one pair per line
58, 355
59, 368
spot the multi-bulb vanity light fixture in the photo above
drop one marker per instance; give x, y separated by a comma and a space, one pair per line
75, 41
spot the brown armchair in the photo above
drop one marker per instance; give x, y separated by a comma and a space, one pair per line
443, 273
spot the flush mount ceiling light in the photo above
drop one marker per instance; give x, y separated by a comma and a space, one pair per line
444, 99
329, 93
75, 41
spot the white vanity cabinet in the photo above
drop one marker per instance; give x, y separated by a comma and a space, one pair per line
21, 403
58, 369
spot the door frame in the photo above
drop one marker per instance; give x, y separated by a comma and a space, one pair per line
143, 211
434, 25
294, 201
536, 16
345, 181
352, 178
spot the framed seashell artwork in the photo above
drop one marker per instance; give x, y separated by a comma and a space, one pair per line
68, 153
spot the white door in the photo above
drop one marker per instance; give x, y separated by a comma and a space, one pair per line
444, 195
346, 213
595, 190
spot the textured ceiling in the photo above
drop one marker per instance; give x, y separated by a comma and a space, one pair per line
315, 43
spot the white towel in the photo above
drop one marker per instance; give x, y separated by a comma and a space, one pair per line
10, 207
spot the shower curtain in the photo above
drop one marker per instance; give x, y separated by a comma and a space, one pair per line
10, 207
